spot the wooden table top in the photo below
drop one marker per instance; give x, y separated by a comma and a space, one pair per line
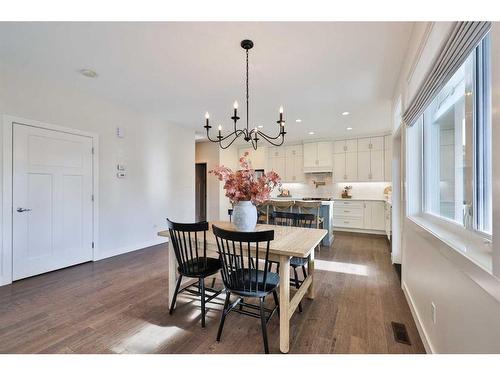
291, 241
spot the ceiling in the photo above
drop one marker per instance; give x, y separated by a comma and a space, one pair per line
179, 70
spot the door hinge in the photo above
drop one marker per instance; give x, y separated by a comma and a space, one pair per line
92, 244
92, 150
92, 197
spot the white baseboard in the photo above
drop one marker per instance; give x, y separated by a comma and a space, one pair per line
128, 249
416, 318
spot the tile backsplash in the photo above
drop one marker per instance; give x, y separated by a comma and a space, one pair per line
361, 190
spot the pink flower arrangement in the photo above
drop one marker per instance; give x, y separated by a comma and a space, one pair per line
244, 185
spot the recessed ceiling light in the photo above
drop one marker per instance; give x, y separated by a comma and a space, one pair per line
349, 128
345, 113
298, 120
260, 126
88, 73
311, 133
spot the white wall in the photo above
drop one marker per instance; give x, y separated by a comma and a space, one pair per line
466, 297
159, 157
208, 152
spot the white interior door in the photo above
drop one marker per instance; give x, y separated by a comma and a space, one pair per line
52, 200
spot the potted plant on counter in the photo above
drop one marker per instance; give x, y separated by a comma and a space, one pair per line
245, 190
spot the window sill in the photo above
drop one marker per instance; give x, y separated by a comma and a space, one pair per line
471, 245
470, 252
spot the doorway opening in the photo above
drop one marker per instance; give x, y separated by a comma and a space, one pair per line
201, 191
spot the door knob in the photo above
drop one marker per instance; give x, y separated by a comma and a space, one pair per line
19, 209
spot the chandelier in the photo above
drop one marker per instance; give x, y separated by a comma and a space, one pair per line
249, 135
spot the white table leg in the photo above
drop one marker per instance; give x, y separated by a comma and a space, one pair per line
310, 270
284, 303
172, 273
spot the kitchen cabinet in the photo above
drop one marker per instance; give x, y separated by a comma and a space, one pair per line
257, 157
277, 164
287, 162
388, 158
374, 215
360, 215
371, 159
294, 164
345, 160
345, 167
318, 157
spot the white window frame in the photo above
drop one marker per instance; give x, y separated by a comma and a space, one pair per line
473, 244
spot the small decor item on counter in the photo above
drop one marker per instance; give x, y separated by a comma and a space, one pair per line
284, 193
345, 192
388, 192
245, 190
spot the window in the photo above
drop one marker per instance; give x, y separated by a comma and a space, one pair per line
456, 147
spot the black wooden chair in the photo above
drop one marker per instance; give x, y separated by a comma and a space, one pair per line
245, 272
193, 261
292, 219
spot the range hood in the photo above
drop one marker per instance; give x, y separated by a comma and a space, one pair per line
318, 170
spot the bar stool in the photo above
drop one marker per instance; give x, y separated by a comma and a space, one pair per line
311, 208
282, 206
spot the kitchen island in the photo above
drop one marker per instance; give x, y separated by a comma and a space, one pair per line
326, 212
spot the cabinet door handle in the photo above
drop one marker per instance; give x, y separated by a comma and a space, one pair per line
347, 211
346, 222
345, 177
370, 146
345, 148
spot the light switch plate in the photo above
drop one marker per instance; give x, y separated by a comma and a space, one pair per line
120, 167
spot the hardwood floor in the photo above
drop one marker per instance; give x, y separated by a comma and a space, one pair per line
119, 305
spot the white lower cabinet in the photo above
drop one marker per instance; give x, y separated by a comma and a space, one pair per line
364, 215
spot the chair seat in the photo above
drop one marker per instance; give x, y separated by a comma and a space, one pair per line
246, 276
298, 262
201, 267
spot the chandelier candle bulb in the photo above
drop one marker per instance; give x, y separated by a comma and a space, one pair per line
207, 116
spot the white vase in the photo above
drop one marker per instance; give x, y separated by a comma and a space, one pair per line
245, 216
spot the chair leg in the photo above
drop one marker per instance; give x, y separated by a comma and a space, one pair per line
213, 282
177, 286
264, 325
304, 271
223, 315
296, 279
202, 287
276, 300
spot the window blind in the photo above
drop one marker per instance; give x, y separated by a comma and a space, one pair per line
464, 37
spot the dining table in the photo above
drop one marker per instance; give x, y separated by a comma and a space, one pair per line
288, 242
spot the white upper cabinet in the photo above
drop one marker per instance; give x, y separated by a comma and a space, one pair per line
377, 143
339, 167
345, 160
351, 166
339, 147
318, 157
364, 166
256, 157
376, 165
351, 145
371, 163
287, 162
294, 164
310, 155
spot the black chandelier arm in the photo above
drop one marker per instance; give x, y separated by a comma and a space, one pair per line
236, 133
230, 143
270, 139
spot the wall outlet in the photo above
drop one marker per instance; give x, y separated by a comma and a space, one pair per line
433, 312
